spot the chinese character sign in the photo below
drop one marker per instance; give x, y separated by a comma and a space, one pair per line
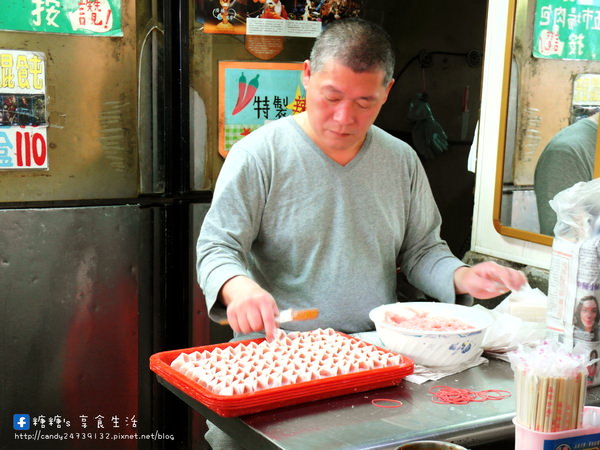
253, 93
23, 142
586, 90
567, 29
586, 96
91, 17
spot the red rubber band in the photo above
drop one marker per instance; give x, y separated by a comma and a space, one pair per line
500, 394
396, 403
457, 396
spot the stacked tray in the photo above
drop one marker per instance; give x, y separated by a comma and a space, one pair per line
276, 397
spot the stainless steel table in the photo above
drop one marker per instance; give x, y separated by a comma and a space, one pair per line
351, 421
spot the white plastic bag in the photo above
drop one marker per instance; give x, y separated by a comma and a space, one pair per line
577, 211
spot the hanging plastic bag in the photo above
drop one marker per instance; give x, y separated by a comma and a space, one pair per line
577, 211
429, 138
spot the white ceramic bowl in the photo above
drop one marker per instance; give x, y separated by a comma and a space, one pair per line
433, 348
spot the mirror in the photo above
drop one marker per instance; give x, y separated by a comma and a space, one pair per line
552, 80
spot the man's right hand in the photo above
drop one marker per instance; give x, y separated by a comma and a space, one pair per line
249, 307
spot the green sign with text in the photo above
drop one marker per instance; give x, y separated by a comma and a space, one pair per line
567, 29
88, 17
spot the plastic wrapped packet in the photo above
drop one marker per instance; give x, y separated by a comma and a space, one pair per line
530, 305
574, 279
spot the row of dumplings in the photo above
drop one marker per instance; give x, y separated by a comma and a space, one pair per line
290, 358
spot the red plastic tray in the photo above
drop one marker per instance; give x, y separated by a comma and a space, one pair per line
241, 404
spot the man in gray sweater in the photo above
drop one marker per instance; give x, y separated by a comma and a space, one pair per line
318, 210
567, 159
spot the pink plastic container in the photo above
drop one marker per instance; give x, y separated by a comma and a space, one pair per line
586, 437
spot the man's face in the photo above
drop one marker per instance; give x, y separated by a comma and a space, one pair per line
342, 105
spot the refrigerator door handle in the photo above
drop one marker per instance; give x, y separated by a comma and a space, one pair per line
150, 125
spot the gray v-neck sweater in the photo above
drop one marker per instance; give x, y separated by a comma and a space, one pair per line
317, 234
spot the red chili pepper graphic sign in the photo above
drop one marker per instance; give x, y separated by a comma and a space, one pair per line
245, 93
241, 89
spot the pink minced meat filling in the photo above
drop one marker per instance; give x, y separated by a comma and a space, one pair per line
424, 321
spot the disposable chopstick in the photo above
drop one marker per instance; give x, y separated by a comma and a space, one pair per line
551, 389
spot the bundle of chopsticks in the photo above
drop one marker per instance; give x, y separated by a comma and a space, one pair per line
551, 388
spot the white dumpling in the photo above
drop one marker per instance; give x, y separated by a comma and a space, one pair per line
328, 371
291, 358
264, 381
224, 389
178, 362
395, 360
239, 387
